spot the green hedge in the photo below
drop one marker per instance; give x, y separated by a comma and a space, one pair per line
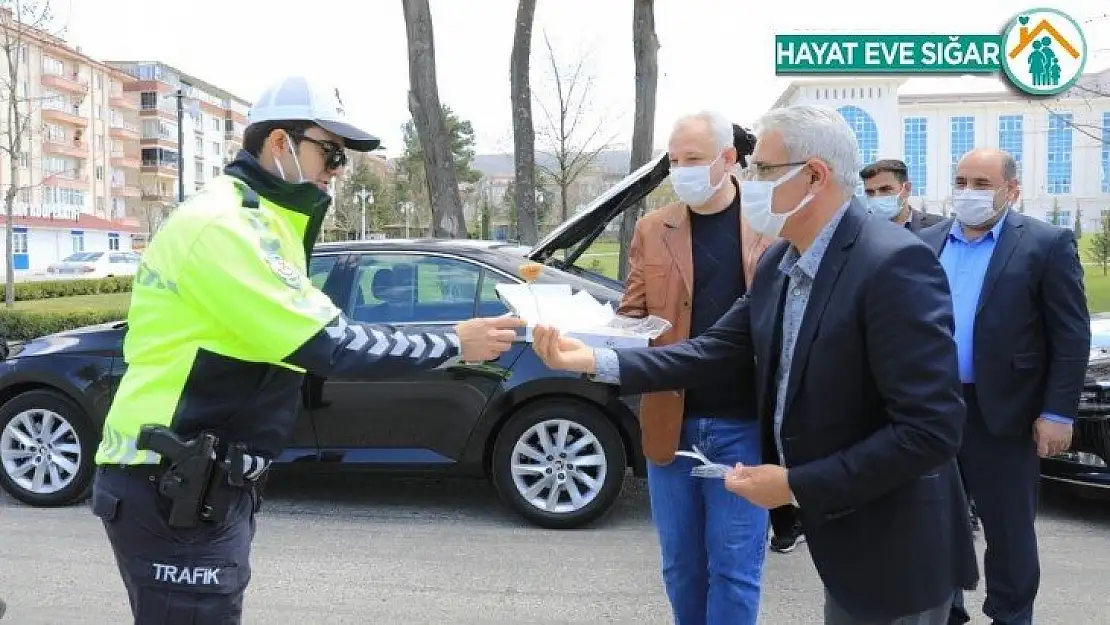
47, 289
21, 325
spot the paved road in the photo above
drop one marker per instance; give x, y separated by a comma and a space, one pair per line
376, 551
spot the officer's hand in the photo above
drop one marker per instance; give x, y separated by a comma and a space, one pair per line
486, 338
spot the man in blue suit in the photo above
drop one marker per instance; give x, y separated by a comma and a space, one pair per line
847, 328
1023, 336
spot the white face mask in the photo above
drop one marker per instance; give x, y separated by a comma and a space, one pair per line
885, 206
693, 184
296, 161
974, 207
756, 199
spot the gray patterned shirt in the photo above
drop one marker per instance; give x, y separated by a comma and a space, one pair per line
801, 270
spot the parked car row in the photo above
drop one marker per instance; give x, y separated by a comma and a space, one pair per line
556, 445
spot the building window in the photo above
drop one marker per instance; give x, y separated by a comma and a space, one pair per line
215, 148
215, 123
160, 157
1106, 152
100, 172
51, 65
215, 171
19, 242
78, 238
867, 133
113, 241
1060, 218
100, 205
1059, 153
200, 145
149, 100
915, 139
1010, 138
55, 133
963, 140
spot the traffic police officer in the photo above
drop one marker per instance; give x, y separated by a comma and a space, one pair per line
223, 324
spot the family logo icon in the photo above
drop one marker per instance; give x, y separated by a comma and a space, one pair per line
1045, 51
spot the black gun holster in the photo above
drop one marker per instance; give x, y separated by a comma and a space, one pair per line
195, 481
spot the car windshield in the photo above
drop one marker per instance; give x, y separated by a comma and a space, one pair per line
83, 257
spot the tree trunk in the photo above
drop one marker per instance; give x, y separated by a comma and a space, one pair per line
645, 46
524, 133
439, 165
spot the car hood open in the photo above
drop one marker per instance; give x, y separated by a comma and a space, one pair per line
579, 232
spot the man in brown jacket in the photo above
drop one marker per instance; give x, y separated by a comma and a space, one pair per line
689, 261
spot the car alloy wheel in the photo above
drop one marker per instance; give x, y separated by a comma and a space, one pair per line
558, 466
559, 463
46, 448
40, 451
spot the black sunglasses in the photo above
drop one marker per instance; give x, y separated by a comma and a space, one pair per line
335, 156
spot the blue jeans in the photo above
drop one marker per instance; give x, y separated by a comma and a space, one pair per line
713, 542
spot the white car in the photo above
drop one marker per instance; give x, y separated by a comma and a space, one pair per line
92, 265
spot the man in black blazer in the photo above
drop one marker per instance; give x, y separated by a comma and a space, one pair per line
886, 183
847, 327
1023, 335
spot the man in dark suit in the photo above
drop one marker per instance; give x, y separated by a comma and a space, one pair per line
847, 328
1024, 335
887, 185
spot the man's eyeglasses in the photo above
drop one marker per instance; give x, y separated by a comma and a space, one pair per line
335, 156
760, 171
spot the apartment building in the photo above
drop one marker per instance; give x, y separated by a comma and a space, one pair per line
78, 175
212, 122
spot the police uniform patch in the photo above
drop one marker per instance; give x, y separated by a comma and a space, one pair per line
285, 272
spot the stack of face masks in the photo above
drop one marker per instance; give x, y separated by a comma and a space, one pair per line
706, 469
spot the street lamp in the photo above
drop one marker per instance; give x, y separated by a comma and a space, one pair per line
364, 195
180, 95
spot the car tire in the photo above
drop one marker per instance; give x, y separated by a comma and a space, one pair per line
75, 446
519, 463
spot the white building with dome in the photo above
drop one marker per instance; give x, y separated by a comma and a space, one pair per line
1062, 144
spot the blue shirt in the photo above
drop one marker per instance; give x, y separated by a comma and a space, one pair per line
965, 263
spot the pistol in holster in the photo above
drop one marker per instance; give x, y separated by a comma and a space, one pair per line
195, 480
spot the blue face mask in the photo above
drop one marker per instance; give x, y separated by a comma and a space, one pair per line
885, 206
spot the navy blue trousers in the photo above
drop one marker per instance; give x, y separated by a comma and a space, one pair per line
175, 576
1003, 475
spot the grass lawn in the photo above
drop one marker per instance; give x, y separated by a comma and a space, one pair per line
98, 302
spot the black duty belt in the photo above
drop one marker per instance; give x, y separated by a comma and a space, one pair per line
193, 478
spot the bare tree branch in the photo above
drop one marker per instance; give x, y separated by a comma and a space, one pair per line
571, 146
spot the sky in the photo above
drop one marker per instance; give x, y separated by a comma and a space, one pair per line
714, 54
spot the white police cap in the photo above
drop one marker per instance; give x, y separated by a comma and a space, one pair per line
297, 98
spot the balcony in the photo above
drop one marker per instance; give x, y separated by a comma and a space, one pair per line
67, 180
125, 161
165, 169
76, 149
65, 116
121, 101
121, 189
231, 135
170, 116
159, 196
65, 83
124, 131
